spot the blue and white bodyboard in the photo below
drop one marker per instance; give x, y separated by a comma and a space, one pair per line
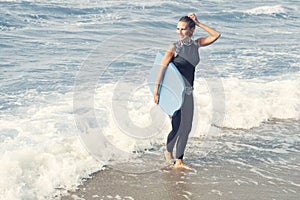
171, 92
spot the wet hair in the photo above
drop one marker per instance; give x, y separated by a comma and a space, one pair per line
189, 21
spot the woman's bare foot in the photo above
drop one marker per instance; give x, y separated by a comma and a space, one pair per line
169, 157
180, 164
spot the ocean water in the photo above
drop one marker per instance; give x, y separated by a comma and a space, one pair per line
74, 95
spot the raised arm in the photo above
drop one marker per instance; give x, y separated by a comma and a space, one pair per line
163, 66
213, 34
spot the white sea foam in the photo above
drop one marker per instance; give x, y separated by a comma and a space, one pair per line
251, 102
41, 151
266, 10
248, 103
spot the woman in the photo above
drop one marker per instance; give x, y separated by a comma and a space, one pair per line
185, 56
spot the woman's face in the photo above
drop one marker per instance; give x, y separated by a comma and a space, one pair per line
183, 31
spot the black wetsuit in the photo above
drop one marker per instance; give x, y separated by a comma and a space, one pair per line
186, 59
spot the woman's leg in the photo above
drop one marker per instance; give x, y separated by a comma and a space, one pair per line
187, 112
173, 135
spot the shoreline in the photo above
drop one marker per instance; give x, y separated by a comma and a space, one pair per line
207, 182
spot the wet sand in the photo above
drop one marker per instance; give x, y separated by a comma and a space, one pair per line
207, 182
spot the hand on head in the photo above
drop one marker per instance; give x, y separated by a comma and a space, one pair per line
193, 17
